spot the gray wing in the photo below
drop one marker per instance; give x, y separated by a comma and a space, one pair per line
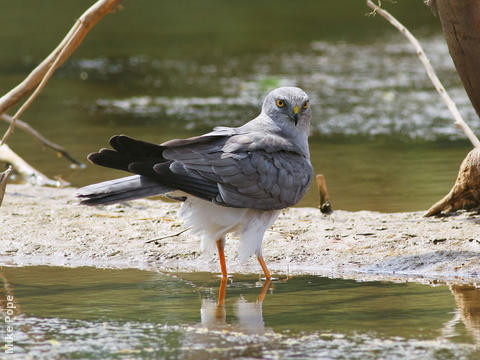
249, 171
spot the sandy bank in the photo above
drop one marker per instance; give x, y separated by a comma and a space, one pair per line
46, 226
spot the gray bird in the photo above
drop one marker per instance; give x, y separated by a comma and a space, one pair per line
231, 180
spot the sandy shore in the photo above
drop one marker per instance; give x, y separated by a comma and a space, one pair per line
46, 226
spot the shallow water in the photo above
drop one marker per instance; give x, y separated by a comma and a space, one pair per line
156, 71
95, 313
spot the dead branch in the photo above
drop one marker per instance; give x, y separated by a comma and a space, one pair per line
59, 149
31, 174
40, 75
3, 182
431, 73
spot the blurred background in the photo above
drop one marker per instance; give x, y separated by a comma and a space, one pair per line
159, 70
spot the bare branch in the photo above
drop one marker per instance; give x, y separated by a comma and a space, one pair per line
40, 75
431, 73
59, 149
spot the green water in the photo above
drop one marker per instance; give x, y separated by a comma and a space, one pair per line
114, 314
161, 70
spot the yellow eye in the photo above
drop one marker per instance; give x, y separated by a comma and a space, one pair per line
306, 105
280, 103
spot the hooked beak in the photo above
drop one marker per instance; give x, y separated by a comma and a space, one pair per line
296, 111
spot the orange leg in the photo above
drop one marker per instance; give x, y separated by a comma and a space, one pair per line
264, 267
221, 257
223, 283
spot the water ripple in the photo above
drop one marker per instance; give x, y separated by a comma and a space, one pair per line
50, 338
372, 89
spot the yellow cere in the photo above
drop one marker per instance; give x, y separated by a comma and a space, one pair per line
296, 110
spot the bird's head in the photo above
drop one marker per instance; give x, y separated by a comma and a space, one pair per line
289, 108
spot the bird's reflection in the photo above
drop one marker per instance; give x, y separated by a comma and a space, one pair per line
248, 314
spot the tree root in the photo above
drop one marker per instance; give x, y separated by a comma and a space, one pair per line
465, 194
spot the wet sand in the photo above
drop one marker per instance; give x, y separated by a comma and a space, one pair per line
46, 226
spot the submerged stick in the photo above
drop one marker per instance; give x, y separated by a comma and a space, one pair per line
40, 75
459, 122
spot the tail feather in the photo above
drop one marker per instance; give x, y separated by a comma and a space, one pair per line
127, 150
136, 148
123, 189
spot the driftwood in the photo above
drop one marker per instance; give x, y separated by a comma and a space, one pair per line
31, 174
465, 194
3, 182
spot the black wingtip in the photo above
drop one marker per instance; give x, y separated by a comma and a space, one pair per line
109, 158
126, 150
116, 141
93, 157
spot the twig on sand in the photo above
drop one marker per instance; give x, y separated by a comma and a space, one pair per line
59, 149
40, 75
167, 237
376, 9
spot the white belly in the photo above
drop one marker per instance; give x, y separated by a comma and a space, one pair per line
212, 222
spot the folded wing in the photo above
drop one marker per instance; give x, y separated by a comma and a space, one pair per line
229, 169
